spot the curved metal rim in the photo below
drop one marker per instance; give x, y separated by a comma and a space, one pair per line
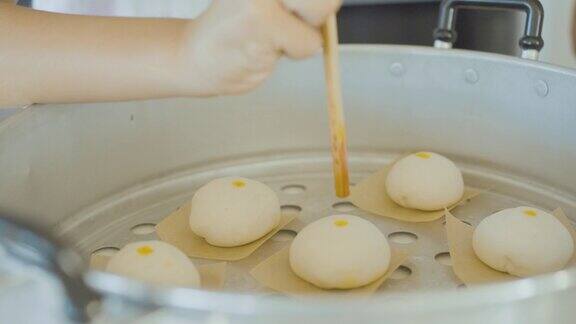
456, 53
392, 303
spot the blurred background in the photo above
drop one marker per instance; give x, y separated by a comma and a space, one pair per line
379, 21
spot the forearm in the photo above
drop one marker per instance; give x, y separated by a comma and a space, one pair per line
47, 57
230, 49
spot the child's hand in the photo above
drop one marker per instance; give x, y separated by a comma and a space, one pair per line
235, 44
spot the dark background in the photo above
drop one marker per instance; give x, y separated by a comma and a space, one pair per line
487, 30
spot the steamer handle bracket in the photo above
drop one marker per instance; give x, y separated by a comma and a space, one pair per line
531, 42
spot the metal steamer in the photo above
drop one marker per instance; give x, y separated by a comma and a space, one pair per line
92, 172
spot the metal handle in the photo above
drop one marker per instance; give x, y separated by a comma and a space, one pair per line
36, 247
531, 43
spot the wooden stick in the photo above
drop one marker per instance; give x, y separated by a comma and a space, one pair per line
335, 108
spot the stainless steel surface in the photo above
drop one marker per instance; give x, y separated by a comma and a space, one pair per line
6, 112
93, 171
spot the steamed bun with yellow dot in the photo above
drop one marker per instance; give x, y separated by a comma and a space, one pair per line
340, 252
425, 181
230, 212
155, 262
523, 242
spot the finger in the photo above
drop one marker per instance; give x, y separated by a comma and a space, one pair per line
293, 37
314, 12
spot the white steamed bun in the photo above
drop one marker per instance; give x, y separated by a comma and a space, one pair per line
340, 252
155, 262
523, 242
425, 181
234, 211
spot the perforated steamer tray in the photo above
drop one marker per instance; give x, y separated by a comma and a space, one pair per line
303, 183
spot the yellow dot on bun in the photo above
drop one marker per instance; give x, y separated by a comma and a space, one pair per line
239, 184
341, 223
339, 252
519, 241
423, 155
424, 180
145, 250
154, 262
234, 211
530, 213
